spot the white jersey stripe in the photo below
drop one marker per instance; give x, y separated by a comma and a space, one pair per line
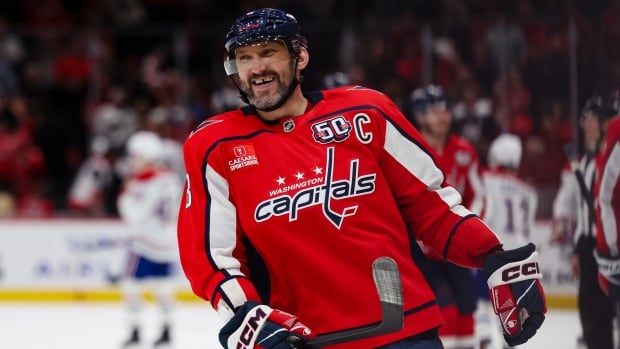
235, 295
608, 182
222, 219
222, 223
421, 165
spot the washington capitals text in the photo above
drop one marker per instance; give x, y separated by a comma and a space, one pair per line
322, 194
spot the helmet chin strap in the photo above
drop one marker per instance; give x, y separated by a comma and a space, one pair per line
294, 83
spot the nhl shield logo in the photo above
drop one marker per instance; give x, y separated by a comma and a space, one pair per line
288, 125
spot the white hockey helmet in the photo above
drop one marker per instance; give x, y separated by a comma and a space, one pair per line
505, 151
146, 146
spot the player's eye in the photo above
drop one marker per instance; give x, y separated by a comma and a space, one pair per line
244, 58
269, 52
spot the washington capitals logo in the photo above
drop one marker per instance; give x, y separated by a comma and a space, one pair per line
321, 194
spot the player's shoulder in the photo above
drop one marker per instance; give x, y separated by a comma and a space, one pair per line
357, 95
614, 128
167, 175
504, 176
462, 143
216, 127
615, 121
463, 148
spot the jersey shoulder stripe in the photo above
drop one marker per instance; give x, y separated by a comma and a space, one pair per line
216, 123
356, 95
223, 127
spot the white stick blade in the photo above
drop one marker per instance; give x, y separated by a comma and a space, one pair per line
387, 280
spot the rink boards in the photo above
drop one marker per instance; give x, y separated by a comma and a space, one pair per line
82, 260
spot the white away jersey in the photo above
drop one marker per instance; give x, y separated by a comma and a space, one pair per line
148, 205
508, 206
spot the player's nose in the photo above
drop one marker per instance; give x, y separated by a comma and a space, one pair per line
257, 66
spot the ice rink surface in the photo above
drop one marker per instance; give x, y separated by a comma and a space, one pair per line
103, 326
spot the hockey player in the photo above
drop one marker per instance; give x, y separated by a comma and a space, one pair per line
508, 205
607, 207
148, 205
455, 155
457, 158
289, 200
575, 202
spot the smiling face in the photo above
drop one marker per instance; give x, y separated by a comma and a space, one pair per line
265, 72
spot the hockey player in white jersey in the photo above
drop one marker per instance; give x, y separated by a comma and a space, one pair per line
148, 205
505, 202
508, 205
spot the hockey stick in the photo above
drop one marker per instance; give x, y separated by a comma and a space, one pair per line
389, 288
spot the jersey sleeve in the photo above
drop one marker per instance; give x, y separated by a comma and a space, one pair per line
533, 208
431, 209
212, 256
479, 193
567, 199
472, 182
129, 204
609, 195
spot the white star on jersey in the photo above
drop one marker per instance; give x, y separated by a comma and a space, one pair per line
317, 170
280, 180
299, 175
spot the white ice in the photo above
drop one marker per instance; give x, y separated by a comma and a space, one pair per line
103, 326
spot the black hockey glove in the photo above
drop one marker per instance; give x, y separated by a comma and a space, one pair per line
516, 292
257, 326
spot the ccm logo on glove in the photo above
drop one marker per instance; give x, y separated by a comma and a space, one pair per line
517, 294
258, 326
249, 330
518, 270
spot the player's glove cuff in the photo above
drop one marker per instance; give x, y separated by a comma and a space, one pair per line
516, 292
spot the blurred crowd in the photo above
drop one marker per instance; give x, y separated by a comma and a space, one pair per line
77, 78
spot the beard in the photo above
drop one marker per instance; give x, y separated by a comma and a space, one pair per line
266, 100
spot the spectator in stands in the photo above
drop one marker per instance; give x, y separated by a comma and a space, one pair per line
512, 99
113, 121
473, 117
21, 161
506, 42
11, 56
379, 47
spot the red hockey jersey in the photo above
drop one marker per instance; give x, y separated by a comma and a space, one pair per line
459, 161
292, 213
607, 202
